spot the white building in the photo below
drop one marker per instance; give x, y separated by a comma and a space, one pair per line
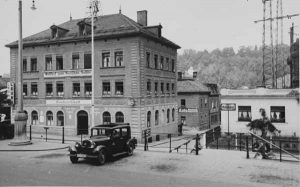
281, 105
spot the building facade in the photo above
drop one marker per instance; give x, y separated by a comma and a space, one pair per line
198, 103
135, 75
281, 105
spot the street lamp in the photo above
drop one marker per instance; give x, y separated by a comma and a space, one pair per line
20, 116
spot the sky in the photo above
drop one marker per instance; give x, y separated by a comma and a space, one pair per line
192, 24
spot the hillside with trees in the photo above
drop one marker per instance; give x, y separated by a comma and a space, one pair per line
225, 67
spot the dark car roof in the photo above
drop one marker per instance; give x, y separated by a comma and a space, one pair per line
111, 126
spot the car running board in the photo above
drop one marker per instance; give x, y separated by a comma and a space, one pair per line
118, 154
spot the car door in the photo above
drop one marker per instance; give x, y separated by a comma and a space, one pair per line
116, 141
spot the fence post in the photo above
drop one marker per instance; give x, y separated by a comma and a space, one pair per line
240, 141
145, 141
170, 143
228, 139
30, 138
46, 133
81, 138
247, 147
217, 142
280, 153
197, 144
63, 134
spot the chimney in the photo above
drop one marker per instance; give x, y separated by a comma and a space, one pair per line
179, 76
194, 75
142, 18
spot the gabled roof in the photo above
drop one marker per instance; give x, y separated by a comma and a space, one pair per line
114, 25
190, 86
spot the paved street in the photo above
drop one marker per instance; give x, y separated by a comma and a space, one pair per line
225, 168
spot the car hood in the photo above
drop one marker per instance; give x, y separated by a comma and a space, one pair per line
99, 139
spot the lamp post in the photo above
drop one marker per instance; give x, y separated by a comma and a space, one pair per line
20, 116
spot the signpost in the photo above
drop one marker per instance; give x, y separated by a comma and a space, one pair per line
228, 107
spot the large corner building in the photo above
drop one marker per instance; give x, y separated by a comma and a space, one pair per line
135, 75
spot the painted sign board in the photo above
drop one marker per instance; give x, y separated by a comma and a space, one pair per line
188, 110
228, 106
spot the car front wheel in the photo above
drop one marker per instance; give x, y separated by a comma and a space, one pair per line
130, 149
101, 157
74, 159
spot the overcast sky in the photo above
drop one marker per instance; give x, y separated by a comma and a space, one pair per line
192, 24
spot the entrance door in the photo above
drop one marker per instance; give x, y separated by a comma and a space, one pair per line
82, 122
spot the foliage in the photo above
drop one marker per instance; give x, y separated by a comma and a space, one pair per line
225, 67
259, 124
4, 100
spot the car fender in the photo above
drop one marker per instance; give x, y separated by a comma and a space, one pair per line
98, 148
72, 149
132, 141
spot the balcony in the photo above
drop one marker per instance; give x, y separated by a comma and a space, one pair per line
68, 73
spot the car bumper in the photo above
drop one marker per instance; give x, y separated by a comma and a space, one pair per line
83, 155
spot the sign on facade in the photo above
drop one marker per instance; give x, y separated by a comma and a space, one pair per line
68, 102
228, 106
188, 110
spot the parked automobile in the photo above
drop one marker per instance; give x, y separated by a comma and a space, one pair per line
106, 141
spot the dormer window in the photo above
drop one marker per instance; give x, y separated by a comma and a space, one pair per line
57, 32
84, 28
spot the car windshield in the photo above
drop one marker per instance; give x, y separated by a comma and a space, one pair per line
100, 132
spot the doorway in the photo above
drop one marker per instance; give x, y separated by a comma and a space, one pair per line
82, 122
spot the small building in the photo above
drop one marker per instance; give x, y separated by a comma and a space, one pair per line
198, 103
135, 75
281, 105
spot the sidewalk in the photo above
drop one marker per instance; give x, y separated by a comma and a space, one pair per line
37, 145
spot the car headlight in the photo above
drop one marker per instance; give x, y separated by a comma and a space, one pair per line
77, 144
93, 145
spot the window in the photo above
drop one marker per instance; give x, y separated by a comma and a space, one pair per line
168, 88
119, 59
87, 61
106, 118
60, 89
156, 117
25, 91
162, 63
148, 60
148, 87
105, 60
106, 88
33, 62
119, 117
119, 88
49, 89
183, 120
173, 88
155, 88
34, 89
59, 63
173, 65
49, 118
48, 60
173, 114
76, 89
167, 64
182, 103
148, 119
244, 113
75, 61
214, 119
34, 117
205, 102
168, 116
155, 61
54, 32
24, 65
162, 88
60, 118
278, 114
88, 89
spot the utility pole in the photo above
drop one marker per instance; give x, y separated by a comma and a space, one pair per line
94, 9
20, 116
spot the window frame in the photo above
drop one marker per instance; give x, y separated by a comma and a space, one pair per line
117, 54
60, 89
105, 59
242, 109
278, 109
106, 92
59, 62
117, 91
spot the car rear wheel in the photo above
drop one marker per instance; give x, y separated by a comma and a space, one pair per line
130, 149
101, 157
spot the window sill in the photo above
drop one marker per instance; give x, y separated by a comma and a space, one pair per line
31, 72
114, 67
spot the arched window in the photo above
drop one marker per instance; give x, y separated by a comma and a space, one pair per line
168, 116
60, 118
173, 114
148, 119
119, 117
34, 117
106, 118
156, 117
49, 118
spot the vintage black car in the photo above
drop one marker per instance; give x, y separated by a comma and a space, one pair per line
106, 141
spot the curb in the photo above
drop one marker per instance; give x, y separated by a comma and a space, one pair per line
15, 150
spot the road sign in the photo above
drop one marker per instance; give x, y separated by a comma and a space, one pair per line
228, 106
148, 132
